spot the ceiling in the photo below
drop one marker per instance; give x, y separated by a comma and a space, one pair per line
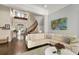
52, 7
38, 8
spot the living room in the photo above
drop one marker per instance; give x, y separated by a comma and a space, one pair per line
25, 31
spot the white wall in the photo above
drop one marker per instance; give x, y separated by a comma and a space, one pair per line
4, 19
40, 20
42, 23
72, 13
46, 24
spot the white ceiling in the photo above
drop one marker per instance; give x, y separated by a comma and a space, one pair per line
28, 7
52, 7
38, 8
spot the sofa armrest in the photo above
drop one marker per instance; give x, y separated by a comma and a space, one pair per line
2, 41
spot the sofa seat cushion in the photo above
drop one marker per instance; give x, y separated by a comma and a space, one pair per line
58, 37
35, 36
70, 39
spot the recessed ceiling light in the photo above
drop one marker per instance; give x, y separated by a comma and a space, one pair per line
45, 6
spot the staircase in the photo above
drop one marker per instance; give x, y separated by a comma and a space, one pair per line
30, 24
32, 27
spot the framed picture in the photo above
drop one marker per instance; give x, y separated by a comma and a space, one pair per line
7, 26
59, 24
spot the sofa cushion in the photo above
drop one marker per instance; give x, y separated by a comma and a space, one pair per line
35, 36
58, 37
70, 39
48, 36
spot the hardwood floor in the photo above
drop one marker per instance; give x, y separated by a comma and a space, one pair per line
17, 46
13, 47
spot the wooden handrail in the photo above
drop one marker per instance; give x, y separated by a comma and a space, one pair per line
32, 27
35, 25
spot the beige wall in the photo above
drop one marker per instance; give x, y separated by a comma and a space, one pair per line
4, 19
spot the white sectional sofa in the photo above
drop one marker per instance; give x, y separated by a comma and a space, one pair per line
33, 40
36, 40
